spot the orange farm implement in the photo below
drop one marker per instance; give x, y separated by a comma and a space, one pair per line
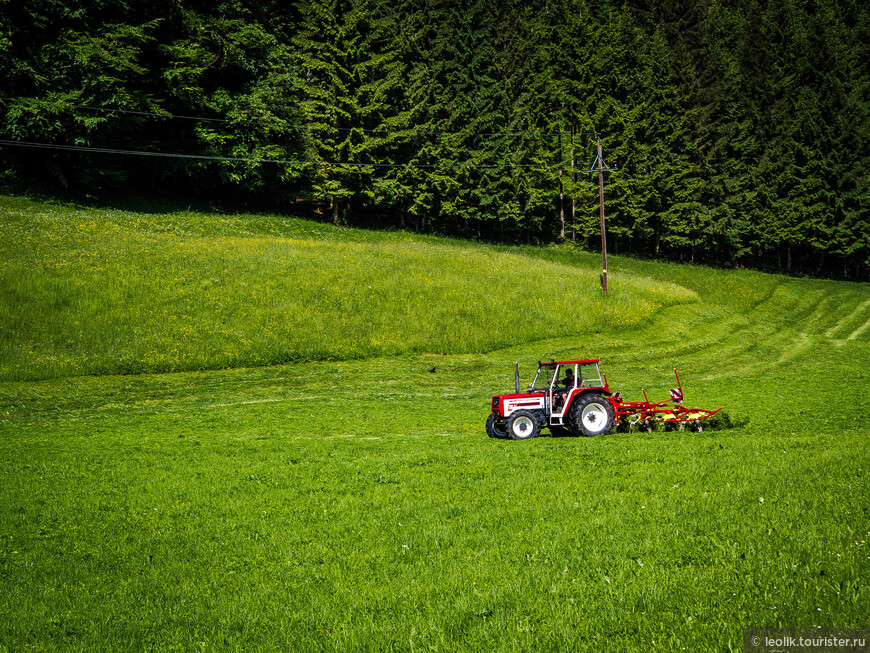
671, 412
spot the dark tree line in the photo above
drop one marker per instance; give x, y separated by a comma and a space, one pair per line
740, 128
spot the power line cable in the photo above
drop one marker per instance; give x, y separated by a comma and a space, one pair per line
205, 157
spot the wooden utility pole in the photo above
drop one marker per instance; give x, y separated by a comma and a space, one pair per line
573, 191
561, 195
600, 167
601, 205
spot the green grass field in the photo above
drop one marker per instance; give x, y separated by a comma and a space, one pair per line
284, 473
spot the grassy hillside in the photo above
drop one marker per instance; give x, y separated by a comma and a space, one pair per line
95, 292
358, 505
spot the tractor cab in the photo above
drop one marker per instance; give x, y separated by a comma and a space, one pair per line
585, 374
561, 382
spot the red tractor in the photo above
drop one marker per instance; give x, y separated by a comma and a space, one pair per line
581, 403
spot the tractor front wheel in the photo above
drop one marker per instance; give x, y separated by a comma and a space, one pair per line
592, 414
522, 425
495, 428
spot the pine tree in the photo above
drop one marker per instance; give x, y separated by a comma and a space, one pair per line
57, 60
423, 43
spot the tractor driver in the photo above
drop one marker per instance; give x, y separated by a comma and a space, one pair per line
560, 396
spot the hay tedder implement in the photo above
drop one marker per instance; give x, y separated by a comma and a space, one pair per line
582, 403
671, 412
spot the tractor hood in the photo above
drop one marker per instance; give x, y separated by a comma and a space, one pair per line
507, 404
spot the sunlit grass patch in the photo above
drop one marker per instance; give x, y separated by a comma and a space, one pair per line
87, 291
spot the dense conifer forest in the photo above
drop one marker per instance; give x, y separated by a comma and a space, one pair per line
738, 129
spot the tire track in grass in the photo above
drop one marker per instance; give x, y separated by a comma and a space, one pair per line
712, 336
754, 352
734, 343
790, 304
790, 318
827, 311
780, 328
859, 331
854, 315
253, 401
738, 349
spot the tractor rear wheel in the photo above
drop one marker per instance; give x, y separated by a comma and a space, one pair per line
522, 425
592, 414
495, 428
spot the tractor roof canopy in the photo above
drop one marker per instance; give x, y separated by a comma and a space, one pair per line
555, 363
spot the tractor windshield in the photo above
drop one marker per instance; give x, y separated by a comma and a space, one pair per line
543, 379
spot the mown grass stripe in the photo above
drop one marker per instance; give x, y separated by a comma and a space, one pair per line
849, 315
859, 331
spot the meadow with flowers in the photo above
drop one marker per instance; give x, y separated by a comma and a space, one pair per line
261, 433
111, 292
